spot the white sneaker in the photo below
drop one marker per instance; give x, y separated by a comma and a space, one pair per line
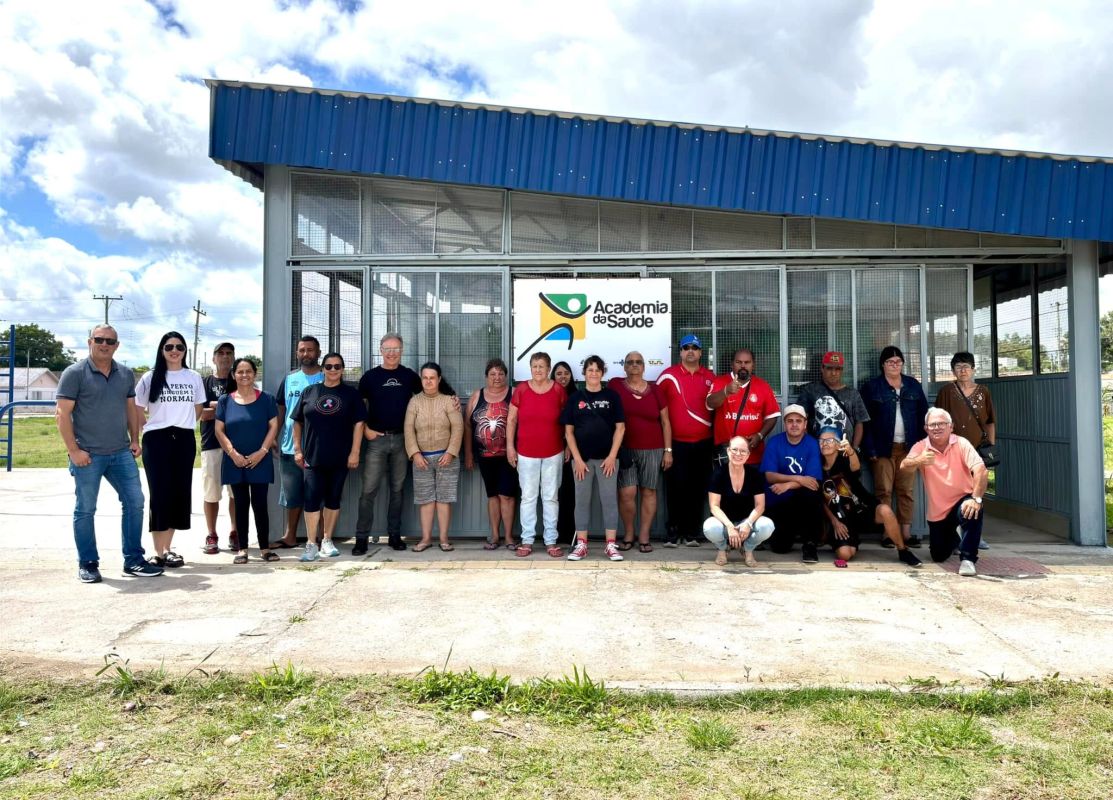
966, 569
611, 552
579, 552
329, 549
311, 552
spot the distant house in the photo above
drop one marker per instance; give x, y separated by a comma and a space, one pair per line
36, 383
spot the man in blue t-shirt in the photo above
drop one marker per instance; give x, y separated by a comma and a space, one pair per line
292, 491
793, 471
387, 390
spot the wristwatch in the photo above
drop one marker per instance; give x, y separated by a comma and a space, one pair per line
668, 449
977, 500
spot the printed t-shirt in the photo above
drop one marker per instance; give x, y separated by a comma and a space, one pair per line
844, 493
215, 388
593, 417
828, 407
289, 391
327, 415
784, 457
643, 415
949, 478
539, 433
176, 406
736, 505
488, 424
387, 393
750, 406
686, 397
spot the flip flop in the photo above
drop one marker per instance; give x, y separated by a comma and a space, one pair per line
750, 560
511, 546
524, 551
490, 545
446, 548
555, 551
241, 559
271, 557
281, 545
422, 547
721, 558
645, 547
625, 545
840, 563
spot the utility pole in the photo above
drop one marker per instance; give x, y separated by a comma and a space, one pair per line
197, 314
107, 300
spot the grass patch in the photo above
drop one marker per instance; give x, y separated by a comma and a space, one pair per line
37, 443
290, 734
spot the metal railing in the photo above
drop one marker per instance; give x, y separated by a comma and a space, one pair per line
7, 454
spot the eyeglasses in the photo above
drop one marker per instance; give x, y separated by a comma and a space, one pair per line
827, 441
689, 347
634, 362
959, 367
938, 424
734, 451
333, 367
167, 348
390, 351
105, 340
894, 362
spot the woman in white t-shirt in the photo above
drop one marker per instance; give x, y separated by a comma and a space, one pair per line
172, 395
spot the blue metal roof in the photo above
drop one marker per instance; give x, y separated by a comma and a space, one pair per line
1031, 194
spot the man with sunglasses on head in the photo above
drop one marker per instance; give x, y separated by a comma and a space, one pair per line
99, 424
218, 384
291, 494
685, 387
743, 405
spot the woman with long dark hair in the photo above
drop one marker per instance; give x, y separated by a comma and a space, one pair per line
434, 432
566, 495
172, 395
246, 427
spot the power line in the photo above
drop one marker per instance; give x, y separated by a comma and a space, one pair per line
198, 313
107, 301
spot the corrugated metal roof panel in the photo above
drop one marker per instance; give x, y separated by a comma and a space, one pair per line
1029, 194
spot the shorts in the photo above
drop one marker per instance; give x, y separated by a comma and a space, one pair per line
291, 492
210, 475
499, 478
436, 484
644, 472
324, 486
856, 525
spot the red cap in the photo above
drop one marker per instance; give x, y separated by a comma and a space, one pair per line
833, 358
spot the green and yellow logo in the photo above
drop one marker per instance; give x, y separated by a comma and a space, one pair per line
563, 320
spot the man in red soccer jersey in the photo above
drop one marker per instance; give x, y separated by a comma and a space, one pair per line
743, 405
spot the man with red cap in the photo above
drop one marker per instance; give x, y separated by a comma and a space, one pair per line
831, 403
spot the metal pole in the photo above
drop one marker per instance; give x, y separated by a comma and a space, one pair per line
107, 301
197, 314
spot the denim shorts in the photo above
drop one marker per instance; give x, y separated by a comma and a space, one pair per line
291, 493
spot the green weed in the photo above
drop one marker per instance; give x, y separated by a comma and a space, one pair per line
710, 734
279, 682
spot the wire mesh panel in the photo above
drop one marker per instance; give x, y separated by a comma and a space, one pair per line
329, 305
888, 313
470, 309
747, 306
691, 310
399, 217
948, 328
1013, 295
632, 228
819, 319
714, 231
798, 233
983, 327
831, 234
544, 224
469, 220
324, 215
1054, 321
404, 303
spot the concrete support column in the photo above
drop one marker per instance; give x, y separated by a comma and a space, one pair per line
1087, 470
277, 311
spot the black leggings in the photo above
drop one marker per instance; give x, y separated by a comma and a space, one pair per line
258, 502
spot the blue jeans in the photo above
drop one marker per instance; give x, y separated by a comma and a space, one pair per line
383, 456
540, 477
120, 470
716, 533
952, 531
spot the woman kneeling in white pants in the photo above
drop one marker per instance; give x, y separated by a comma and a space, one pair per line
736, 495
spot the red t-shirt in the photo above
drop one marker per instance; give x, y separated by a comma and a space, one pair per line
685, 395
757, 403
540, 434
643, 416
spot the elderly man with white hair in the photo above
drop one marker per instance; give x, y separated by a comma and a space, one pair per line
955, 482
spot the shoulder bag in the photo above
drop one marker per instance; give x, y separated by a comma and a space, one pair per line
987, 451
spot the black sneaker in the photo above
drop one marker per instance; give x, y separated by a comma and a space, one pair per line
915, 541
810, 554
360, 547
89, 572
887, 543
144, 569
396, 543
906, 556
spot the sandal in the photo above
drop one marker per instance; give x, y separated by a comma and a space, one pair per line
750, 560
645, 547
524, 551
511, 546
625, 545
282, 544
421, 547
240, 559
840, 563
446, 547
490, 545
721, 558
555, 551
270, 556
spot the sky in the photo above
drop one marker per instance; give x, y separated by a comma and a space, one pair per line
106, 187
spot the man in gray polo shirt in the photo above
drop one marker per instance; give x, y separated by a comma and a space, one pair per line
100, 428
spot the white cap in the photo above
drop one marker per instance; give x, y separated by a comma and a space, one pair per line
795, 408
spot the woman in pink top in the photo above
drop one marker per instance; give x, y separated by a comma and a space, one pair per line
535, 446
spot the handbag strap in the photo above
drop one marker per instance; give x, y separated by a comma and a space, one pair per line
973, 411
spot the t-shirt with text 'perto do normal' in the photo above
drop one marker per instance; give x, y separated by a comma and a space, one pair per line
176, 406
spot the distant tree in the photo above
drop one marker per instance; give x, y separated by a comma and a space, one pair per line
1107, 342
258, 362
140, 370
45, 349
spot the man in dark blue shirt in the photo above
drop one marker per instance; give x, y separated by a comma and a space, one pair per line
793, 470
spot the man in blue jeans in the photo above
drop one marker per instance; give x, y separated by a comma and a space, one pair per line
100, 428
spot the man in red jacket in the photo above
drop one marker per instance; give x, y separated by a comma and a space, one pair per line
685, 387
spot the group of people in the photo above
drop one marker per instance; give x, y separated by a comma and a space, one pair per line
544, 443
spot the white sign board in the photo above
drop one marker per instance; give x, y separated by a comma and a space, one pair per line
573, 318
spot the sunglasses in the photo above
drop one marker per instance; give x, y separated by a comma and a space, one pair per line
105, 340
689, 347
333, 367
634, 362
170, 347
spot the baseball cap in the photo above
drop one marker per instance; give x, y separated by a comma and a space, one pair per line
691, 338
222, 345
795, 408
833, 358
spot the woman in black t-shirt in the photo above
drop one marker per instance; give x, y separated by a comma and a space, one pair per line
736, 495
328, 432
